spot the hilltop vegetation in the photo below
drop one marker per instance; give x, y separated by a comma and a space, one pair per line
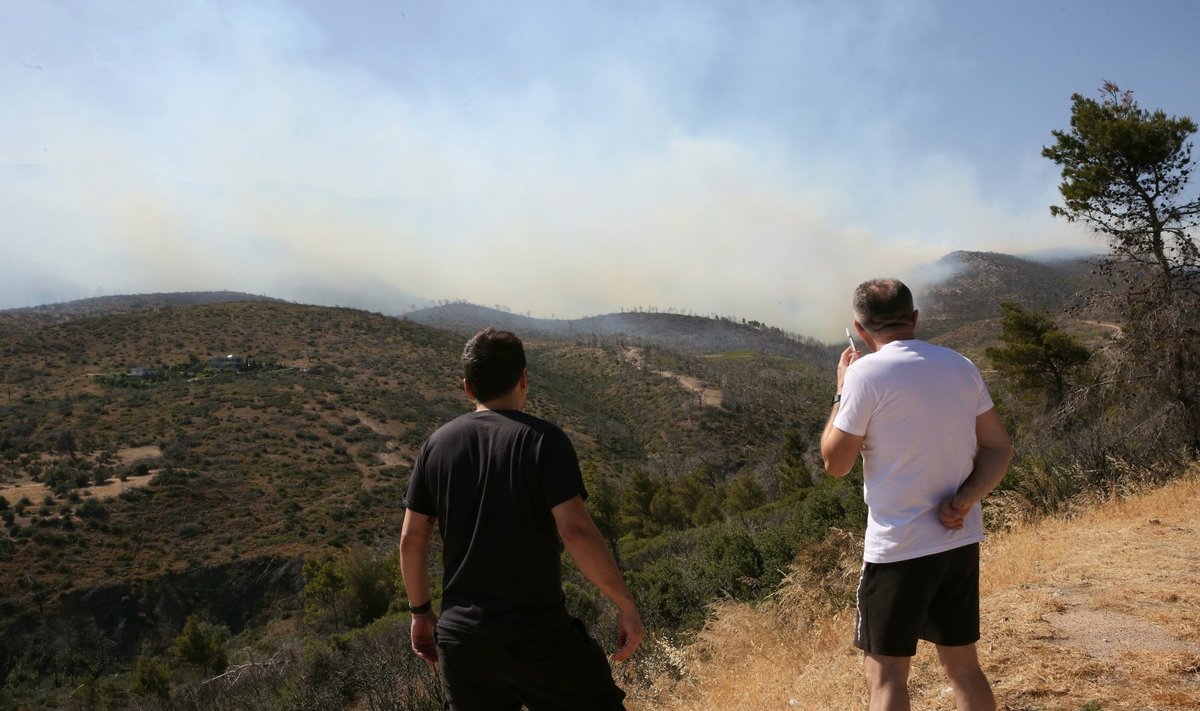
669, 330
111, 305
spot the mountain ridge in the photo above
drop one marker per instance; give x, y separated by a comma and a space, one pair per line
686, 333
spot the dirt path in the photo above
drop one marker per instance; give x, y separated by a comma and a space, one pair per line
1105, 607
1115, 328
709, 396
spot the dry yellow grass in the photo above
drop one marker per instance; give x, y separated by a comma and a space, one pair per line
1103, 607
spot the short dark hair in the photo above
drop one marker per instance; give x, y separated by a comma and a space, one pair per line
493, 361
883, 304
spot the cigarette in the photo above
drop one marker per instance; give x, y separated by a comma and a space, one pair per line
851, 339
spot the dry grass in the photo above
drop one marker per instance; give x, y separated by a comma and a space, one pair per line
1103, 607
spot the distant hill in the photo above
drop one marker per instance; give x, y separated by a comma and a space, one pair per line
962, 310
687, 334
123, 304
980, 281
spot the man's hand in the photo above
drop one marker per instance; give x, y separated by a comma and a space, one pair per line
848, 356
423, 643
629, 634
953, 512
414, 567
992, 457
840, 449
593, 558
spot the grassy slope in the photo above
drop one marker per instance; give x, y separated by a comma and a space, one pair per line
288, 461
272, 462
1063, 625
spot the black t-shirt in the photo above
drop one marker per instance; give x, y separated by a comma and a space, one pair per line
491, 478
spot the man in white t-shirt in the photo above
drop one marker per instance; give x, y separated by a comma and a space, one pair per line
932, 448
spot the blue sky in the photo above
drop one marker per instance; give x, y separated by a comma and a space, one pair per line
754, 159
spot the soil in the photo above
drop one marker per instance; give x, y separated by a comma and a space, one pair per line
709, 396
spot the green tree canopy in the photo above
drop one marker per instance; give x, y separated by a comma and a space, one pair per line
744, 494
151, 678
1125, 173
1036, 355
794, 473
200, 645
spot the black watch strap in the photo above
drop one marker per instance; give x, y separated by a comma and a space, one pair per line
837, 398
421, 609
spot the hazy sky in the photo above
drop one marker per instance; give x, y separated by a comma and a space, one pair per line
755, 159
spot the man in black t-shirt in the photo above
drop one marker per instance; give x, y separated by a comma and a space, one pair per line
505, 492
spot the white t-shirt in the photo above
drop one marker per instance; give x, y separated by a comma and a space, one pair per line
916, 404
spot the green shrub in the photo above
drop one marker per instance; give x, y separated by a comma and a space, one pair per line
151, 678
92, 509
200, 645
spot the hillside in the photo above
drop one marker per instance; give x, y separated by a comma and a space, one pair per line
161, 459
1063, 625
962, 309
143, 480
248, 469
977, 281
682, 333
112, 305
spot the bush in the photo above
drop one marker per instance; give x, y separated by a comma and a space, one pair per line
351, 591
372, 669
192, 529
200, 645
169, 478
93, 509
730, 564
151, 678
668, 595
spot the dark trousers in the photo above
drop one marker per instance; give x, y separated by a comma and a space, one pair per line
551, 667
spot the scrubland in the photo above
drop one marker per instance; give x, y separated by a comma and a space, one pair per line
1098, 608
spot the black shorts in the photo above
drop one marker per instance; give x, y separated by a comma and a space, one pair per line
558, 667
934, 598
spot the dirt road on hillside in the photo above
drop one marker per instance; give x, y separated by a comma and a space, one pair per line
709, 396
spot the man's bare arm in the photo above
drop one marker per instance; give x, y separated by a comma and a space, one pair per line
414, 567
839, 448
590, 552
995, 452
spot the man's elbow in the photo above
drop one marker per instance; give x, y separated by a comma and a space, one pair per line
1002, 449
837, 472
574, 533
412, 545
834, 467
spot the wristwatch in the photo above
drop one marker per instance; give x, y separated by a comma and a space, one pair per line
837, 398
421, 609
